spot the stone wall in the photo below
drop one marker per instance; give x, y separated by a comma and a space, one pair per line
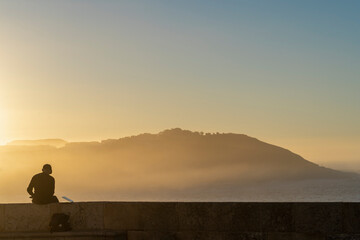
181, 220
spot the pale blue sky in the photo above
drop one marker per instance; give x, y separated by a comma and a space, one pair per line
281, 71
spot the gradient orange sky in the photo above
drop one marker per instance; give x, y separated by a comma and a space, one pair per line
284, 72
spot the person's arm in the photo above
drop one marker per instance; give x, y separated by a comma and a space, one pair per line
30, 187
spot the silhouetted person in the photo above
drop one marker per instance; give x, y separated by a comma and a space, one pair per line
44, 186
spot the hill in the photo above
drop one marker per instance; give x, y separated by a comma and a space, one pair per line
174, 164
221, 156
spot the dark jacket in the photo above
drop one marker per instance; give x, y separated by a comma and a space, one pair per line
44, 186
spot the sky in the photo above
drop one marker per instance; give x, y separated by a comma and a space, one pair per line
285, 72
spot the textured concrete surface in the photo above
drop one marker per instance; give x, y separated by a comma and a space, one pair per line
193, 220
25, 217
140, 216
65, 235
318, 217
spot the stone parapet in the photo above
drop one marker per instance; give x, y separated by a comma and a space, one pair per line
193, 220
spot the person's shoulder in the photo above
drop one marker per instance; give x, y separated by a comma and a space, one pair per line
51, 177
37, 175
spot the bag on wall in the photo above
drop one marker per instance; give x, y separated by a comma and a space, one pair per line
59, 222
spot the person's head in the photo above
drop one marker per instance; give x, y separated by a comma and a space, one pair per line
47, 169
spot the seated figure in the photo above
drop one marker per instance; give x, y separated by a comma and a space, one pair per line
44, 186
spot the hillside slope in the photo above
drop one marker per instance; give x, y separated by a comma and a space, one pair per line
173, 164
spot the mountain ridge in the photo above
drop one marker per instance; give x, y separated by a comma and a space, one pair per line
175, 164
204, 150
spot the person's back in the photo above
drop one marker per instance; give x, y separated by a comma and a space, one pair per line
44, 187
